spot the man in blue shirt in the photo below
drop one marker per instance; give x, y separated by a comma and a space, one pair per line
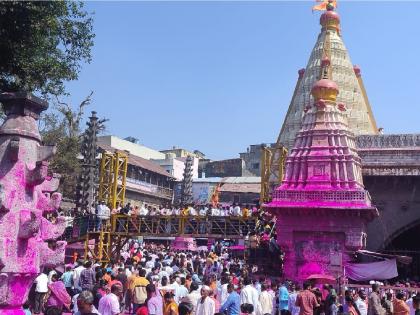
67, 279
232, 306
283, 299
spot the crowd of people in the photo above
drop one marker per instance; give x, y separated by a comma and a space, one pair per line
236, 210
101, 214
153, 280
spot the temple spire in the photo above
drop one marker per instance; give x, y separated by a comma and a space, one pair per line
330, 59
321, 206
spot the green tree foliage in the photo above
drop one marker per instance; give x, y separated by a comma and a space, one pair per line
62, 127
42, 44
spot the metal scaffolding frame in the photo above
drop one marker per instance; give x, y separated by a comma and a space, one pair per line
113, 178
273, 162
106, 243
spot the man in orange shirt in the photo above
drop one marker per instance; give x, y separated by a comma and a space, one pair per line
306, 300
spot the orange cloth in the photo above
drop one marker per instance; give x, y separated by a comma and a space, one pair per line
213, 286
170, 308
323, 6
401, 308
352, 310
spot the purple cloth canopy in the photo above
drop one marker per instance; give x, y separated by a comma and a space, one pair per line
381, 270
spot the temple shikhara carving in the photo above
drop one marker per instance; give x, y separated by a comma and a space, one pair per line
324, 211
322, 206
27, 239
342, 71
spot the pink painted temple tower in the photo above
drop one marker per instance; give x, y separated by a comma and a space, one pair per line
322, 207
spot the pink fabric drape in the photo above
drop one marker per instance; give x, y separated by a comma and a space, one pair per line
58, 291
381, 270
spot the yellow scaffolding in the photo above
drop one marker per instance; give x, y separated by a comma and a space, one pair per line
98, 246
112, 185
273, 162
112, 178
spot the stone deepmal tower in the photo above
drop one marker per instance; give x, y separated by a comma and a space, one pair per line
186, 194
342, 71
27, 239
321, 206
89, 177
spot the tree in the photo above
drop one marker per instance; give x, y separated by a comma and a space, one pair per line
42, 44
53, 131
63, 128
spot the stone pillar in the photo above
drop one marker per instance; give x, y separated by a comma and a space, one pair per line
88, 184
26, 193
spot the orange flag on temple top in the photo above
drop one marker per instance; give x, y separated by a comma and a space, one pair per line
323, 6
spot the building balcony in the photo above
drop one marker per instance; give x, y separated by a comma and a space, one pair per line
148, 189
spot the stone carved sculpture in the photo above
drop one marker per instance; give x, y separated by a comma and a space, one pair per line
27, 239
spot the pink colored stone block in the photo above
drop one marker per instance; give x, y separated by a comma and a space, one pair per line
26, 193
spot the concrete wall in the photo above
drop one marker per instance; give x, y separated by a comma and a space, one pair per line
240, 198
225, 168
173, 166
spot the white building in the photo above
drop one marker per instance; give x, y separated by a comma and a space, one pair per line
169, 161
176, 165
134, 148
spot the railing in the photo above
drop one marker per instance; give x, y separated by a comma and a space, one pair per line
78, 227
194, 226
165, 226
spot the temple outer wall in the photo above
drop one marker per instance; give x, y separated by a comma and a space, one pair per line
398, 201
318, 241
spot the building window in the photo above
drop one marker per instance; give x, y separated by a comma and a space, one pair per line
255, 166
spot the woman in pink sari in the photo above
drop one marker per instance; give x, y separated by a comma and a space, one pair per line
57, 294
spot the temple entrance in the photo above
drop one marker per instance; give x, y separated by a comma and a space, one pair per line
405, 242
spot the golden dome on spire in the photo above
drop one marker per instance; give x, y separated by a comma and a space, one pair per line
330, 19
325, 89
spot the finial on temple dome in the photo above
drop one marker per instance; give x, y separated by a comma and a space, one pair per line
330, 19
331, 5
325, 88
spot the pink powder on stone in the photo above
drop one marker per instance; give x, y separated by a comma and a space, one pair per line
23, 231
321, 206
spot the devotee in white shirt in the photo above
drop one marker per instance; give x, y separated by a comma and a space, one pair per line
203, 211
110, 304
41, 290
76, 276
192, 211
266, 300
205, 305
237, 211
144, 210
215, 212
193, 297
249, 295
103, 211
222, 291
231, 210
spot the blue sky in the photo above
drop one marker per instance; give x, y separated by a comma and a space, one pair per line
218, 76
